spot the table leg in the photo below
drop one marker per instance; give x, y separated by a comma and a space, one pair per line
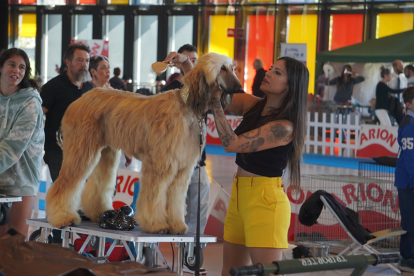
101, 248
65, 241
180, 246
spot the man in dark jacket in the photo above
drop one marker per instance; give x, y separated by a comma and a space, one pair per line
260, 74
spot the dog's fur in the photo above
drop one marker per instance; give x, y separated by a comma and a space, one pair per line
162, 131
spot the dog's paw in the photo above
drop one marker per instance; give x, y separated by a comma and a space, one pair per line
159, 228
178, 228
162, 231
64, 219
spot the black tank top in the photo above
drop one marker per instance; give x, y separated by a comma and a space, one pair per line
270, 162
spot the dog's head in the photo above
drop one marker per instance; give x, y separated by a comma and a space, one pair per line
210, 68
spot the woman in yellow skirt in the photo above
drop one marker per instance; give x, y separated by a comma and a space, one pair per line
270, 137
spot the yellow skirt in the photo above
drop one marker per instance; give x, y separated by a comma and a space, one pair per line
258, 213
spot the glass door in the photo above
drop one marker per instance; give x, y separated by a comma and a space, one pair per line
145, 51
82, 26
155, 35
114, 32
51, 49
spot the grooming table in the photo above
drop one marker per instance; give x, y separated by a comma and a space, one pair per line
139, 238
7, 199
5, 205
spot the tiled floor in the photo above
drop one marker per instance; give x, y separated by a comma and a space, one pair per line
221, 169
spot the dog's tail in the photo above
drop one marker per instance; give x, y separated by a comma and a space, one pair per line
59, 138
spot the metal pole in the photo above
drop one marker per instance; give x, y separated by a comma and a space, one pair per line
316, 264
4, 24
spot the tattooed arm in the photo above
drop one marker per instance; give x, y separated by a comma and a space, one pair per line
270, 135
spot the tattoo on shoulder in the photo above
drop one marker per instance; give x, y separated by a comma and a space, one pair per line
253, 135
252, 146
278, 132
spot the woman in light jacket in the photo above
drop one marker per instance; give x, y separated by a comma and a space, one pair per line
21, 137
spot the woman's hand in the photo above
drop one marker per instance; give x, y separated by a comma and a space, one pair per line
215, 91
174, 59
128, 161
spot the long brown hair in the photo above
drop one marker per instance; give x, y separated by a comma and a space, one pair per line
26, 81
293, 108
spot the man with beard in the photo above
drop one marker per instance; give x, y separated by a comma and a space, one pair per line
57, 94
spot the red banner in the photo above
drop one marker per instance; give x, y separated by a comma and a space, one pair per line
212, 135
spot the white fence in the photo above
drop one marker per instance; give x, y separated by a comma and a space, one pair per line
318, 142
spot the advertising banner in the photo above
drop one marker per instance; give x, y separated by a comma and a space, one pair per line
212, 135
375, 140
98, 46
217, 210
125, 187
378, 207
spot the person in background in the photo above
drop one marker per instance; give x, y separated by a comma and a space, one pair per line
173, 77
345, 84
382, 94
409, 74
57, 94
188, 54
116, 82
398, 79
258, 78
343, 95
99, 70
21, 139
321, 84
191, 52
269, 138
404, 182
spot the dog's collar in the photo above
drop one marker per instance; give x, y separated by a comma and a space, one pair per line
184, 93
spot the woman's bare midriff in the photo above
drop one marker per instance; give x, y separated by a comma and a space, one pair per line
243, 173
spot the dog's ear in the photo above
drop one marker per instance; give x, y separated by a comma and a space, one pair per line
199, 93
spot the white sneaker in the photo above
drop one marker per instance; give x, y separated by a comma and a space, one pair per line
202, 271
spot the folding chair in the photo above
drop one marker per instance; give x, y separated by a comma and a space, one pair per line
356, 245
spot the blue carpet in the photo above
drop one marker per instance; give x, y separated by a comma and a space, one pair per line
333, 161
314, 159
213, 149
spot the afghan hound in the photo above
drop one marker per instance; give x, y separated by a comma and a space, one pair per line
163, 131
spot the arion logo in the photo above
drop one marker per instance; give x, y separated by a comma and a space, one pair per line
378, 139
234, 121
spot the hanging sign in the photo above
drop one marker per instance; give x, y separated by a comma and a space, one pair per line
294, 50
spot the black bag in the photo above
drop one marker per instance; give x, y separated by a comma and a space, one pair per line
395, 107
312, 208
301, 251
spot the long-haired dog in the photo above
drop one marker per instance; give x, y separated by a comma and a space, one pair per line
163, 131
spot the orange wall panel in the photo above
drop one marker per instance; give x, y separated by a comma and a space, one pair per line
345, 30
260, 45
87, 2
